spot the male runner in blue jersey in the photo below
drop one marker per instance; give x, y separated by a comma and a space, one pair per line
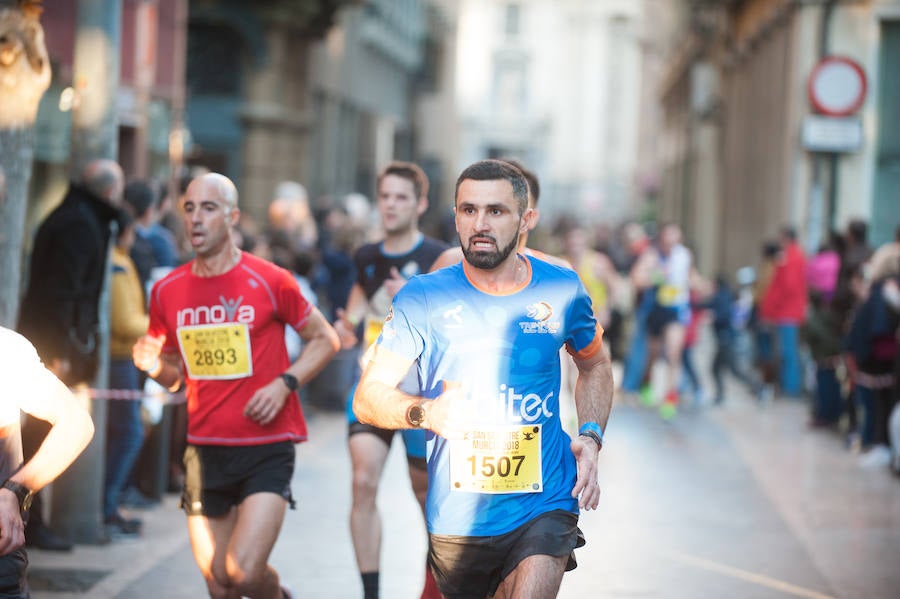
382, 269
505, 481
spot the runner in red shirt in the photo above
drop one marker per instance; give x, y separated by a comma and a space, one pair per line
217, 323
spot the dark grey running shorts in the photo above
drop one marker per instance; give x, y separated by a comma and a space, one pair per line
387, 436
218, 477
467, 567
13, 579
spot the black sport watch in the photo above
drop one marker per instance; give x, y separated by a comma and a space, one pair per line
23, 494
290, 380
415, 415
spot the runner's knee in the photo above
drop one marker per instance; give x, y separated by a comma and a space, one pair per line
244, 578
365, 485
217, 583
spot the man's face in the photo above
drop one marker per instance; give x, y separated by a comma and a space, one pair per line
398, 205
669, 237
117, 194
575, 242
207, 220
488, 221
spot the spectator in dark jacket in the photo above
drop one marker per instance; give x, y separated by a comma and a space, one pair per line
60, 309
822, 334
871, 347
722, 306
59, 312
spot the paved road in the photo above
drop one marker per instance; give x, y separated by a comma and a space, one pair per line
737, 502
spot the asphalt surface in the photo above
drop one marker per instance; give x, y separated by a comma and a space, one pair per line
740, 501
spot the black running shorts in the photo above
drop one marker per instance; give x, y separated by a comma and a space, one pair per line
466, 567
219, 477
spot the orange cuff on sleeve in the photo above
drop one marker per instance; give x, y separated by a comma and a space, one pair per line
591, 348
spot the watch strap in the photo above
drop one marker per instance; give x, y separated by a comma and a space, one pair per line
23, 493
290, 381
594, 436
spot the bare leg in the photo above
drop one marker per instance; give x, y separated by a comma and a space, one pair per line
536, 577
368, 454
259, 519
209, 541
673, 338
232, 551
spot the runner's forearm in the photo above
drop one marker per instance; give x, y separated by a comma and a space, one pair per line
72, 430
317, 352
594, 390
382, 405
168, 372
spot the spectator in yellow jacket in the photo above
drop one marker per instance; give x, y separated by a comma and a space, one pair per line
125, 430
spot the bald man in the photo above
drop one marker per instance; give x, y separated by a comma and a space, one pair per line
217, 326
60, 308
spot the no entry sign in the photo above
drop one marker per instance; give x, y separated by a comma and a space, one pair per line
837, 86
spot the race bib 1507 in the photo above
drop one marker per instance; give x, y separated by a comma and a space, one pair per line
498, 460
216, 351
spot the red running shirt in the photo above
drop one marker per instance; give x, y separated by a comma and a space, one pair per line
229, 332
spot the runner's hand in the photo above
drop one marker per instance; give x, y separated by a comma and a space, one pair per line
587, 489
345, 329
450, 415
393, 284
12, 530
146, 352
267, 402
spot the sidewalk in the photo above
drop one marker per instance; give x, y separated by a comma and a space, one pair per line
314, 553
738, 501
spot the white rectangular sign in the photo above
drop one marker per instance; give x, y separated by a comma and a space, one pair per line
832, 134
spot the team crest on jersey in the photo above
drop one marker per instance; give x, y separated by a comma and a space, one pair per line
540, 314
541, 311
453, 317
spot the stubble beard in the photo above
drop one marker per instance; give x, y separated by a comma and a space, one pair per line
489, 260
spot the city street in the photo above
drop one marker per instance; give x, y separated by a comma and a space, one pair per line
738, 501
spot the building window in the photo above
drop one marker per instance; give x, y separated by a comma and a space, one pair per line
512, 21
214, 60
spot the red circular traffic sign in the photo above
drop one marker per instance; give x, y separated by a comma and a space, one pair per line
837, 86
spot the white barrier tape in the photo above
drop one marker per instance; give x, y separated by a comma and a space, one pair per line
136, 395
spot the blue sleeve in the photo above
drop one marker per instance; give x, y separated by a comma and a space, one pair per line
581, 326
404, 328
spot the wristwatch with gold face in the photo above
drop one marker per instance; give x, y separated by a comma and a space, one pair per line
23, 494
415, 415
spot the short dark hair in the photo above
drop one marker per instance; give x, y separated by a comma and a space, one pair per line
124, 219
183, 182
409, 171
534, 186
495, 170
858, 230
790, 232
140, 196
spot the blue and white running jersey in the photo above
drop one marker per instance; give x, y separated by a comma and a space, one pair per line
503, 351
